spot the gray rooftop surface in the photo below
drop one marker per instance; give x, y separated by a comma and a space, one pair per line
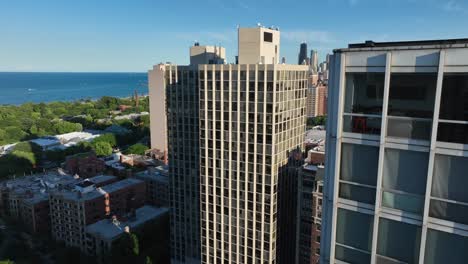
101, 178
96, 192
36, 188
108, 230
155, 175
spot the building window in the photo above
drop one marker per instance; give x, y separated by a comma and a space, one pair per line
358, 172
444, 247
411, 105
397, 242
404, 180
449, 197
363, 102
453, 125
267, 37
353, 236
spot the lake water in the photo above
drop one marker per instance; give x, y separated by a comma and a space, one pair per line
17, 88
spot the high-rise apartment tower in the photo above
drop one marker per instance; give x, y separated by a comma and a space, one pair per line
251, 117
396, 174
231, 128
174, 101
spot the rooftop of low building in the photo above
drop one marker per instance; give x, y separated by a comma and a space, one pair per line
109, 229
101, 178
370, 45
90, 192
36, 188
159, 173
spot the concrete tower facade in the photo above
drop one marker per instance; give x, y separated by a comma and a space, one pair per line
174, 102
251, 117
230, 131
259, 45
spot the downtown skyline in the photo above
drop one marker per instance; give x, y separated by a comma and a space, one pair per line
123, 37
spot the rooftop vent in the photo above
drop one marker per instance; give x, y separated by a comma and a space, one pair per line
370, 43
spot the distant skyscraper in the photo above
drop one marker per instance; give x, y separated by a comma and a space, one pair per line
321, 93
311, 101
396, 174
314, 61
316, 103
302, 54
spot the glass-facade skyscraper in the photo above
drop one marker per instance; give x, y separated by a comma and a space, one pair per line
395, 184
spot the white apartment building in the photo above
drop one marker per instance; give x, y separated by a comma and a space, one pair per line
251, 117
230, 128
397, 154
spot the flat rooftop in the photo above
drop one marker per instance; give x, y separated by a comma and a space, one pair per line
35, 188
121, 185
413, 44
101, 178
108, 229
96, 192
370, 43
157, 174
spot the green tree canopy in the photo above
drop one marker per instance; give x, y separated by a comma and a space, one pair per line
126, 249
108, 137
101, 148
138, 149
148, 260
317, 121
63, 127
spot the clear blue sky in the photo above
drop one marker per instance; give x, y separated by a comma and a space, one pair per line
92, 35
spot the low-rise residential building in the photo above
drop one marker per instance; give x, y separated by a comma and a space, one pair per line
157, 185
84, 164
72, 209
26, 199
102, 235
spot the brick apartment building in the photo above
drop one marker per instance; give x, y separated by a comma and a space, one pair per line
321, 101
26, 199
309, 215
102, 235
157, 185
73, 209
316, 102
84, 164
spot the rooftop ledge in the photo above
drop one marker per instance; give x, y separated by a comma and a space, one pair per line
370, 45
